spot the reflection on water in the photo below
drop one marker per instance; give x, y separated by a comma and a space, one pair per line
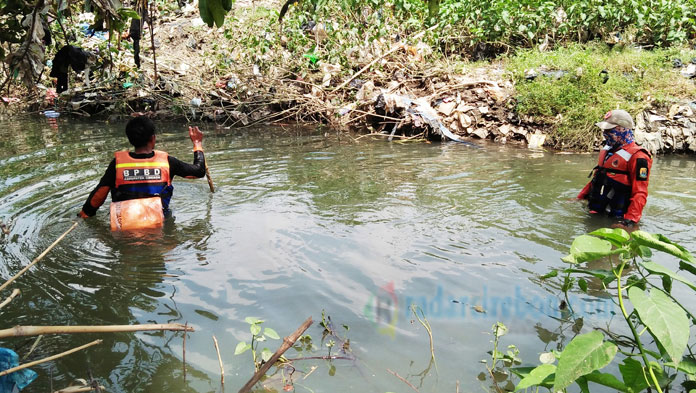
301, 222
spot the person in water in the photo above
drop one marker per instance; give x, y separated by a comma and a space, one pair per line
140, 181
619, 185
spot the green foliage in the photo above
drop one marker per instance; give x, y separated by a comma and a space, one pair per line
529, 22
258, 335
575, 100
666, 320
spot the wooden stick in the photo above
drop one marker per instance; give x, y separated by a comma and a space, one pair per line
21, 331
48, 359
184, 350
37, 259
288, 342
152, 40
396, 48
207, 175
76, 389
9, 298
404, 380
222, 370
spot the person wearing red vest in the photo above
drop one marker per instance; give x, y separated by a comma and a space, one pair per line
140, 181
619, 185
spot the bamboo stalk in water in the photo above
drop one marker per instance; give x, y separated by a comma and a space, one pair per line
37, 259
77, 389
20, 331
222, 370
9, 298
48, 359
288, 342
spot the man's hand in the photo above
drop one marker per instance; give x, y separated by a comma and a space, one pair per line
626, 224
197, 138
82, 214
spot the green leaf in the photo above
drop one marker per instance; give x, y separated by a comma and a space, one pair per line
205, 12
582, 283
656, 268
584, 354
255, 329
218, 12
536, 376
617, 236
688, 267
270, 333
633, 375
660, 242
266, 354
667, 284
252, 320
241, 348
606, 380
588, 248
688, 365
665, 319
552, 273
600, 274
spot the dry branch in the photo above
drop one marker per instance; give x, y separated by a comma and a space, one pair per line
37, 259
222, 370
9, 298
288, 342
403, 380
21, 331
48, 359
392, 50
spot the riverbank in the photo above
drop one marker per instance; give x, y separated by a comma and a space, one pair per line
406, 81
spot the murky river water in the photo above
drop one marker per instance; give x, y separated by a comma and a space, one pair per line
304, 221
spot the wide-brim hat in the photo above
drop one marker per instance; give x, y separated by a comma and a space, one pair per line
617, 117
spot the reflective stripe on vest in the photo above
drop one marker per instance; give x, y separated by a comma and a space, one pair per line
616, 165
138, 171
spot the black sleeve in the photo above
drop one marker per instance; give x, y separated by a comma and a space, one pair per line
179, 168
642, 169
98, 195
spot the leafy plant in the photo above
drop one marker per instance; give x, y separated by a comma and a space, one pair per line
655, 311
258, 335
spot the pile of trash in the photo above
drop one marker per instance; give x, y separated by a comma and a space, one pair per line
448, 107
675, 132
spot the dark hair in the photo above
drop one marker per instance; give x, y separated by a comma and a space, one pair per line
139, 130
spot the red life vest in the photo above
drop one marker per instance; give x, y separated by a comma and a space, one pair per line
611, 184
616, 166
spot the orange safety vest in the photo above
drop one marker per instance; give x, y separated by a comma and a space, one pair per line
141, 185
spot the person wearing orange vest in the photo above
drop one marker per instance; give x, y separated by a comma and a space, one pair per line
140, 181
619, 184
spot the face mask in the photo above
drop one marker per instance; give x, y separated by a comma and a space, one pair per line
618, 136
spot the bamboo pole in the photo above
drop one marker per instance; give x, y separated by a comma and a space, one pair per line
9, 298
21, 331
222, 370
288, 342
78, 389
48, 359
37, 259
